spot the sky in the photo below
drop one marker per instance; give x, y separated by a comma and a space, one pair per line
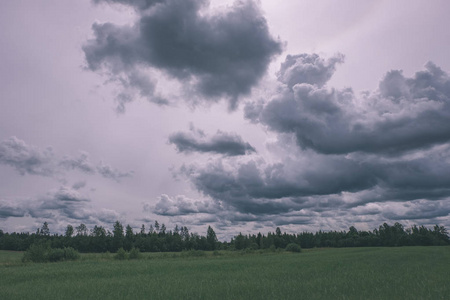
240, 115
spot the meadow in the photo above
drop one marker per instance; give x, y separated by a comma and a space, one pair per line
334, 273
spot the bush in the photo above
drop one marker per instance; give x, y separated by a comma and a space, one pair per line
292, 247
42, 252
135, 253
254, 246
37, 252
71, 254
55, 255
121, 254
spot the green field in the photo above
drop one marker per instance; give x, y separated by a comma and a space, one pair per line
347, 273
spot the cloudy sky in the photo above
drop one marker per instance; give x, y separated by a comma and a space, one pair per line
242, 115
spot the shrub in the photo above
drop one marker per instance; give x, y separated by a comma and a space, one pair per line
121, 254
254, 246
71, 254
55, 255
38, 252
135, 253
42, 252
292, 247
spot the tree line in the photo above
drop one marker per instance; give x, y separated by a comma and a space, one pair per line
157, 238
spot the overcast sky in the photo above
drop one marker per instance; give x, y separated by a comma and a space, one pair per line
248, 115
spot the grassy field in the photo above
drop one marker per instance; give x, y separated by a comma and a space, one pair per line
351, 273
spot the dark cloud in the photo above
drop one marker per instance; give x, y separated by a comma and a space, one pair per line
26, 159
404, 114
8, 210
307, 68
220, 55
138, 4
322, 182
109, 172
228, 144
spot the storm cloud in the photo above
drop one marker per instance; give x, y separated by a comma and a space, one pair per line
404, 114
220, 54
227, 144
323, 183
8, 210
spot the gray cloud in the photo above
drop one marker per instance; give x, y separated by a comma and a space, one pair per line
8, 210
228, 144
109, 172
220, 55
182, 205
421, 209
404, 114
26, 159
383, 156
307, 68
58, 206
79, 184
64, 201
80, 163
322, 183
138, 4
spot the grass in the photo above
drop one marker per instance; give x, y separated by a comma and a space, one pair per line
348, 273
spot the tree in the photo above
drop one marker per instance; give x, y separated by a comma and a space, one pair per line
211, 238
69, 231
98, 231
151, 230
278, 231
128, 238
117, 236
156, 227
44, 229
162, 231
82, 230
142, 230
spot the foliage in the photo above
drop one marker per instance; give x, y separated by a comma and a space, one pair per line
71, 254
134, 253
292, 247
37, 252
159, 239
55, 255
121, 254
42, 252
